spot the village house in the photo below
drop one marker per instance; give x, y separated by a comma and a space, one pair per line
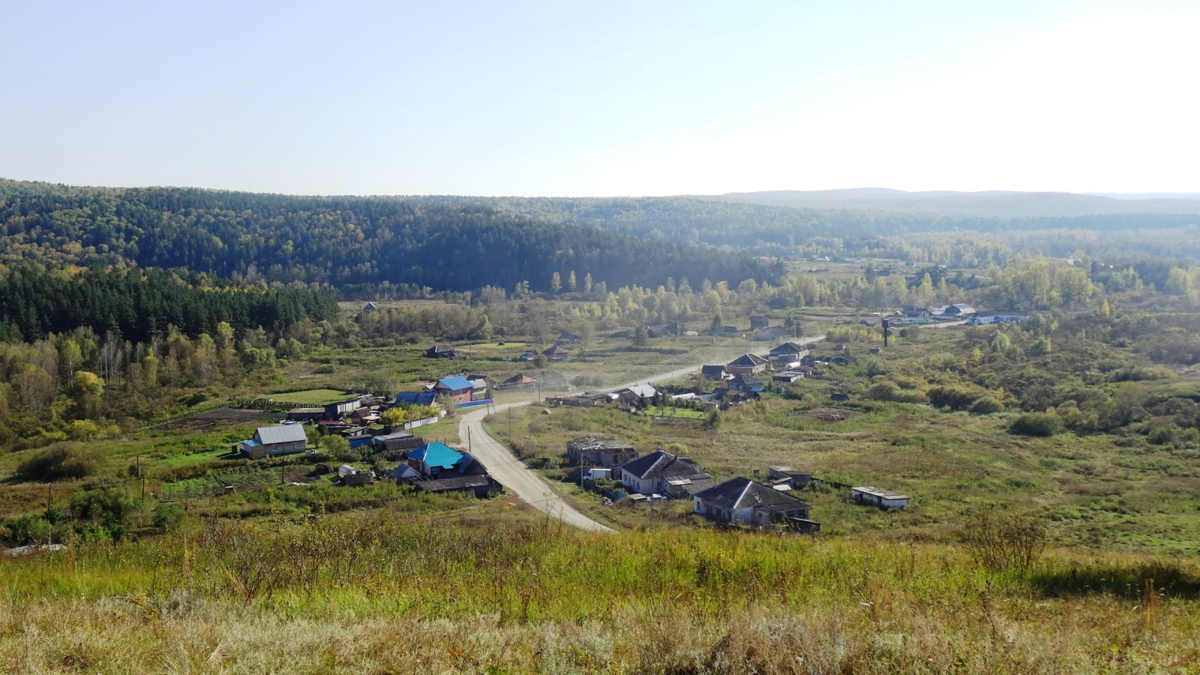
668, 330
788, 352
435, 458
786, 475
750, 364
519, 383
771, 333
713, 372
637, 393
411, 398
481, 387
874, 496
871, 321
369, 307
479, 485
458, 388
757, 322
396, 442
747, 502
272, 441
997, 317
744, 383
660, 472
725, 330
554, 381
914, 314
440, 352
787, 376
569, 339
340, 409
306, 414
953, 312
600, 452
556, 353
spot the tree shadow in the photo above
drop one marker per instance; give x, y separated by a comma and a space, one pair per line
1170, 580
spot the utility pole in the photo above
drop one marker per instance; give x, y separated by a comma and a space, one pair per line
143, 488
469, 439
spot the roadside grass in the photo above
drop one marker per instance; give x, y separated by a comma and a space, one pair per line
390, 590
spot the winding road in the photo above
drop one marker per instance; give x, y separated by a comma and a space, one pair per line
525, 482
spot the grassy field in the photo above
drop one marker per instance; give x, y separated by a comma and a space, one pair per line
1100, 491
311, 397
495, 589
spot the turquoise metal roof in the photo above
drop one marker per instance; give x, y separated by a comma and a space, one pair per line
437, 454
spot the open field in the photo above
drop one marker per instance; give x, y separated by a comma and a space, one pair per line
511, 592
1102, 491
311, 397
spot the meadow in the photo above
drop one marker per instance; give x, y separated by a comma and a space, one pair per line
1104, 491
495, 588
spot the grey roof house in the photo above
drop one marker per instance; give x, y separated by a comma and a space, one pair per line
747, 502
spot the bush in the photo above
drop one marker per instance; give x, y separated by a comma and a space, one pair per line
1036, 424
58, 462
985, 405
167, 516
1002, 542
952, 397
106, 507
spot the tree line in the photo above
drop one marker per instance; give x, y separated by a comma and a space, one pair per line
339, 240
139, 305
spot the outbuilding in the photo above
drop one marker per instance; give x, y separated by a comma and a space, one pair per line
884, 499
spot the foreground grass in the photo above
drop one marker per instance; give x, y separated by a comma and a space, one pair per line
377, 592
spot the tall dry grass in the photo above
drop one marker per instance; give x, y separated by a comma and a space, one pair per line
379, 594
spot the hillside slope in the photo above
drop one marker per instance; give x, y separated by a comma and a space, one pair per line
338, 240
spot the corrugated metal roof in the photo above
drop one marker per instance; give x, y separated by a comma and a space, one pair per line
282, 433
643, 390
437, 454
455, 383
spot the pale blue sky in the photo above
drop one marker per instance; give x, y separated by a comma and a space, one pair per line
559, 98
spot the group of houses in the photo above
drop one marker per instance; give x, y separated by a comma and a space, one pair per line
663, 475
749, 373
914, 315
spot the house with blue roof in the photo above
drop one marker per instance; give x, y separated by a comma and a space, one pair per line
434, 458
458, 388
438, 460
408, 398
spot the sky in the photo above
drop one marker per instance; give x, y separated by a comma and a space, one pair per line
602, 98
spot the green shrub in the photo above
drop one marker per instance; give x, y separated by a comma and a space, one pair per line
1036, 424
58, 462
986, 405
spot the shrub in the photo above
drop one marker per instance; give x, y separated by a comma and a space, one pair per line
952, 397
107, 507
985, 405
1036, 424
1003, 542
58, 462
167, 516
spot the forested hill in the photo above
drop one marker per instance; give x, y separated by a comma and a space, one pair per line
339, 240
141, 304
765, 227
